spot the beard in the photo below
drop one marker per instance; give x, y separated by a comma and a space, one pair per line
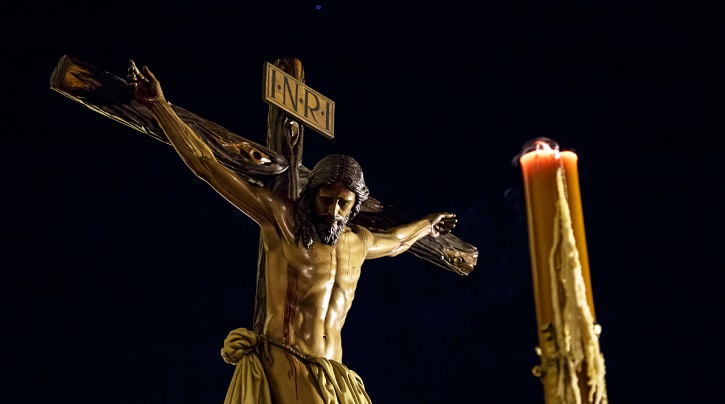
329, 230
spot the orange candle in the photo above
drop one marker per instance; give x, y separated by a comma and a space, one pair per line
561, 279
539, 169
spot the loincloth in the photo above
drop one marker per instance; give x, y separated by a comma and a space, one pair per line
332, 381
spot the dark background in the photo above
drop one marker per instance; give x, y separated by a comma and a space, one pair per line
123, 272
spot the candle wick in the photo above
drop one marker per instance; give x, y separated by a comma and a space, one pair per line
536, 144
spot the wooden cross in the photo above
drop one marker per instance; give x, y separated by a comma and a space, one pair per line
277, 166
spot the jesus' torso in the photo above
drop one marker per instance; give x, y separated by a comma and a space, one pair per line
310, 290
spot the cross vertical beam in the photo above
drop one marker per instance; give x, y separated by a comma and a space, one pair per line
285, 136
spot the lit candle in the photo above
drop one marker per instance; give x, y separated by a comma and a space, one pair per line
567, 329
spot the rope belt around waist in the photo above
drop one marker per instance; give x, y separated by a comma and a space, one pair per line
241, 342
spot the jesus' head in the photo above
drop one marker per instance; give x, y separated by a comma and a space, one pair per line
334, 193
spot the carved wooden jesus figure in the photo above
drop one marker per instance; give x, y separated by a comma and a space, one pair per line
313, 260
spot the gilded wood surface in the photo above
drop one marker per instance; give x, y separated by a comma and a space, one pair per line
107, 94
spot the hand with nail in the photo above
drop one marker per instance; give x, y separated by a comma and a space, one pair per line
143, 86
441, 223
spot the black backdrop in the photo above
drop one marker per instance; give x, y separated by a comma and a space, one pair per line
123, 272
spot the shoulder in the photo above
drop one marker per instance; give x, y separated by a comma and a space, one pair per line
276, 208
357, 229
363, 233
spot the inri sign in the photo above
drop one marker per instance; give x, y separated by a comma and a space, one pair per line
294, 97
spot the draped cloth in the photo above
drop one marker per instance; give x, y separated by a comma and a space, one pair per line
249, 384
333, 381
337, 383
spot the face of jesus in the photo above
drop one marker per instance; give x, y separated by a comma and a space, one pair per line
333, 204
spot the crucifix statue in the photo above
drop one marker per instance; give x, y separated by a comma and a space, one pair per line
317, 227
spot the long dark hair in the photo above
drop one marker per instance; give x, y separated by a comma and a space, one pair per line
329, 170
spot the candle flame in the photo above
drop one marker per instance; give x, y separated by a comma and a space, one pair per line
539, 143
